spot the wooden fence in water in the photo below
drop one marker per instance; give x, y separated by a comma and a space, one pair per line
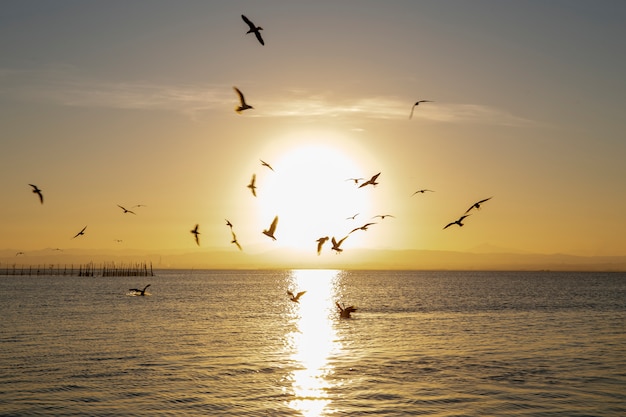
108, 269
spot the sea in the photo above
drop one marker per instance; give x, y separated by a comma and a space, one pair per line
233, 343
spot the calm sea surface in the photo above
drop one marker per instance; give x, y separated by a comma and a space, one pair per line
231, 343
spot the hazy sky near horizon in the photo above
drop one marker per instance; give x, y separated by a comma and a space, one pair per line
131, 103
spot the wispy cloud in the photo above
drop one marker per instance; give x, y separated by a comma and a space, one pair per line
66, 87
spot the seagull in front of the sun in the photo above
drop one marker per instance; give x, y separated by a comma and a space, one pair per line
337, 245
356, 180
270, 232
477, 204
382, 216
371, 181
352, 217
126, 210
364, 227
320, 243
265, 164
37, 191
295, 298
457, 222
251, 186
417, 104
242, 102
253, 29
422, 191
196, 234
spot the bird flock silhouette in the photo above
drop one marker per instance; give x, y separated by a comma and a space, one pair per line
271, 230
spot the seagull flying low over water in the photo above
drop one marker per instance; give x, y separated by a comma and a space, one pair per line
364, 227
320, 243
417, 104
82, 232
254, 29
477, 204
270, 232
242, 102
344, 311
139, 292
251, 186
196, 234
457, 222
295, 298
422, 191
265, 164
336, 245
126, 210
371, 181
38, 192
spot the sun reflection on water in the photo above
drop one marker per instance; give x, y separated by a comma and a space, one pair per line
313, 340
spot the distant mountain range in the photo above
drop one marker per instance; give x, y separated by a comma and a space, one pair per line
483, 258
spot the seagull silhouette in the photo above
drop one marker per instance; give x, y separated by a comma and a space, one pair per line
19, 253
382, 216
352, 217
320, 243
196, 234
229, 224
235, 240
477, 204
38, 192
364, 227
253, 29
82, 232
422, 191
344, 311
251, 186
356, 180
139, 292
457, 222
417, 104
371, 181
270, 232
336, 245
295, 298
126, 210
242, 102
265, 164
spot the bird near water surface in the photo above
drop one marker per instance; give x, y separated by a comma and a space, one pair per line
295, 298
139, 292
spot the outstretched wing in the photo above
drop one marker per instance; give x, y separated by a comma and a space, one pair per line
248, 22
272, 228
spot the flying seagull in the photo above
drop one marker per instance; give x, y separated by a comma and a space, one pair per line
126, 210
457, 222
265, 164
477, 204
195, 232
38, 192
295, 298
356, 180
371, 181
270, 232
235, 240
229, 224
251, 186
19, 253
336, 245
417, 104
320, 243
344, 311
352, 217
422, 191
364, 227
82, 232
139, 292
382, 216
242, 102
254, 29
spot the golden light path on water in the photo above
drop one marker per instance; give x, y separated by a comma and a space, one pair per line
313, 340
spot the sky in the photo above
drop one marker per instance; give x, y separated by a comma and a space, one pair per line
132, 104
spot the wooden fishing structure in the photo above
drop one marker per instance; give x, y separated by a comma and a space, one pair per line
107, 269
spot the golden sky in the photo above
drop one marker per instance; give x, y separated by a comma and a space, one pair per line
115, 103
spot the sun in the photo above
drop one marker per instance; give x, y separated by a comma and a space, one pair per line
311, 192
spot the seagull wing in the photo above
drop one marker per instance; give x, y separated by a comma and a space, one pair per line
258, 36
272, 228
242, 99
245, 19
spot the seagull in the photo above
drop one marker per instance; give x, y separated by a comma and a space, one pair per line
364, 227
270, 232
139, 292
19, 253
265, 164
235, 240
254, 29
422, 191
344, 311
336, 245
371, 181
242, 102
356, 180
458, 222
477, 204
138, 205
229, 224
352, 217
417, 104
382, 216
195, 232
82, 232
251, 186
320, 243
38, 192
126, 210
295, 298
